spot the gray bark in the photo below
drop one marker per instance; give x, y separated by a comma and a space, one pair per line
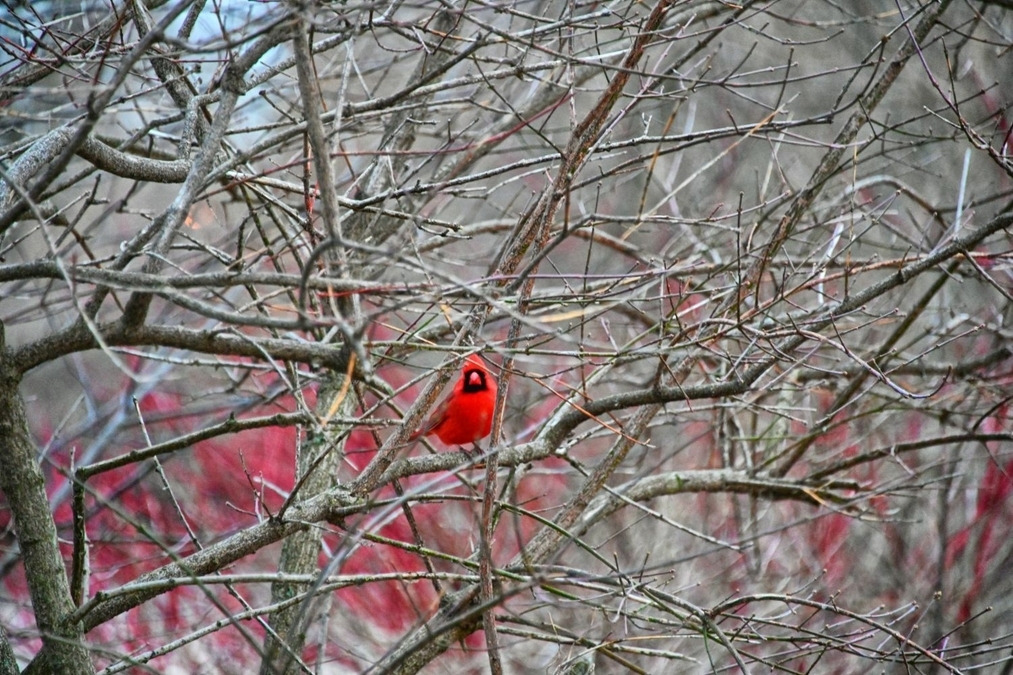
301, 550
8, 664
23, 484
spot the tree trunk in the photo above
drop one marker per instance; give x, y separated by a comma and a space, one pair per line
301, 550
22, 482
8, 664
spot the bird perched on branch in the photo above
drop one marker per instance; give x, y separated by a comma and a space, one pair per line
465, 416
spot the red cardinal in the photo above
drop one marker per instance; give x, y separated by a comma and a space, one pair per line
466, 415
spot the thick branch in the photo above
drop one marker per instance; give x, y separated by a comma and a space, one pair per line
24, 486
78, 338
